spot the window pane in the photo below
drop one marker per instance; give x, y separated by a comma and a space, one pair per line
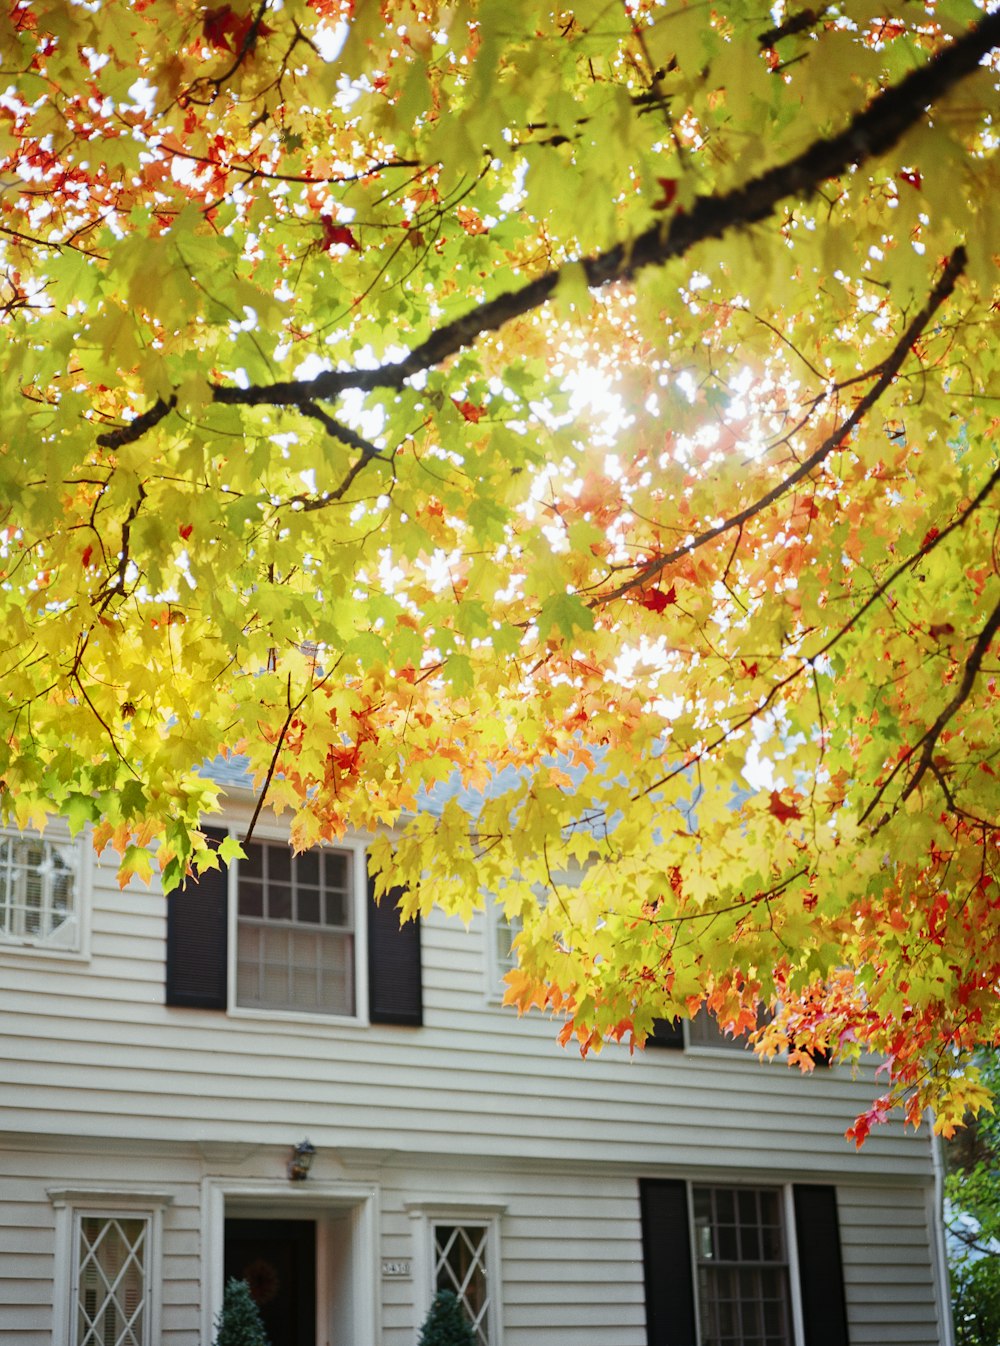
279, 864
251, 899
308, 907
279, 902
307, 868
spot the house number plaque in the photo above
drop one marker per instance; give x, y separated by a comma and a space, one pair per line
400, 1268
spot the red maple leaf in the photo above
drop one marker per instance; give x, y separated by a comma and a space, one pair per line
782, 811
222, 23
85, 558
185, 530
337, 233
668, 190
469, 410
911, 176
656, 600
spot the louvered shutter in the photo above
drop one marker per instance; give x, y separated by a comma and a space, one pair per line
821, 1274
198, 937
667, 1033
666, 1256
395, 986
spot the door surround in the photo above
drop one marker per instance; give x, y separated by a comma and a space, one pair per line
354, 1203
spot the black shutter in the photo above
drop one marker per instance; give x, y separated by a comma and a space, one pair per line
395, 987
666, 1258
667, 1033
821, 1275
198, 938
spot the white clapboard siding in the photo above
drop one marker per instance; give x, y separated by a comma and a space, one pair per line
571, 1253
88, 1043
28, 1228
888, 1276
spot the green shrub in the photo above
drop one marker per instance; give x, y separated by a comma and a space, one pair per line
446, 1324
239, 1324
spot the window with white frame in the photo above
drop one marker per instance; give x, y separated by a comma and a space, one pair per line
742, 1266
295, 929
38, 890
461, 1264
503, 930
111, 1280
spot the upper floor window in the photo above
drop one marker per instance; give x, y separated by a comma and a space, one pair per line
38, 890
295, 930
501, 955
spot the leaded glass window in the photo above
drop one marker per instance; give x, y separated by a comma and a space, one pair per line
460, 1265
112, 1281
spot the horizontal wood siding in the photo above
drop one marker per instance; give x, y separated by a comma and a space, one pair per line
90, 1043
570, 1241
888, 1273
28, 1234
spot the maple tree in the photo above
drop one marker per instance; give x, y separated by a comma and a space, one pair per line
592, 407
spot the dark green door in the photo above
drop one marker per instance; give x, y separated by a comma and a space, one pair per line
277, 1258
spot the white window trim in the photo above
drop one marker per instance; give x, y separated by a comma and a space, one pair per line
70, 1205
425, 1214
279, 1199
359, 877
77, 947
492, 979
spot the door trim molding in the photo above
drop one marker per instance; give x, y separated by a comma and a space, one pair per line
276, 1199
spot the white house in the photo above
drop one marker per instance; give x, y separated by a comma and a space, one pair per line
164, 1058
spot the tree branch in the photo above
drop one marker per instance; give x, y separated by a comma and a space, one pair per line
871, 133
889, 368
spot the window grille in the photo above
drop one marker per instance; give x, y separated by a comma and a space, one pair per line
295, 930
36, 886
743, 1291
460, 1265
111, 1307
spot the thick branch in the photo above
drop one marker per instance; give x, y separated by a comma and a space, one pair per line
870, 133
888, 370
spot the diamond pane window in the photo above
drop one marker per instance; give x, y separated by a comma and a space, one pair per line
36, 887
111, 1300
743, 1289
460, 1253
294, 930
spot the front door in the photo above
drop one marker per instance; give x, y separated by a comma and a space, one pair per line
277, 1259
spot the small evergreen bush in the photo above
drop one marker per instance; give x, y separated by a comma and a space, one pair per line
239, 1324
446, 1324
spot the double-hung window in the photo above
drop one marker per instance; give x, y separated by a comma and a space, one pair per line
279, 933
738, 1264
742, 1266
295, 930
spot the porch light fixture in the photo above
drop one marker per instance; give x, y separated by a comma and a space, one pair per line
300, 1161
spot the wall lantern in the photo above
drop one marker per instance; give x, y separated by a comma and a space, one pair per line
300, 1161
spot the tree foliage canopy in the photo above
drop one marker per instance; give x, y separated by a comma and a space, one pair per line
593, 406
